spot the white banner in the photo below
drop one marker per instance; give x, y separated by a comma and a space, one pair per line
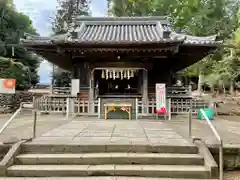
75, 87
7, 86
160, 96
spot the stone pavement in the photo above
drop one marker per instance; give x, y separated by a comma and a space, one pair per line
94, 178
113, 131
22, 126
227, 176
228, 128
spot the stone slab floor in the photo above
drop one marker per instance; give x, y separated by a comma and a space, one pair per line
228, 176
22, 126
227, 126
86, 131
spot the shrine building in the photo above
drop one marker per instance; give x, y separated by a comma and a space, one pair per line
121, 57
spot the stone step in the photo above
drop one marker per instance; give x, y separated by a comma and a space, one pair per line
168, 171
36, 147
111, 158
94, 178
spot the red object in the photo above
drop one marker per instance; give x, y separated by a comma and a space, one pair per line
123, 109
162, 110
9, 83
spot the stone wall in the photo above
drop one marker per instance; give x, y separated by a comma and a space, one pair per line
231, 156
11, 102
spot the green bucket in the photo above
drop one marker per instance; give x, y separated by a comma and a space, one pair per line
209, 113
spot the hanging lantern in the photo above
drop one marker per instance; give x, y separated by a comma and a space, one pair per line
103, 74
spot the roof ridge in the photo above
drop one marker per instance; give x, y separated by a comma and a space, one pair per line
136, 18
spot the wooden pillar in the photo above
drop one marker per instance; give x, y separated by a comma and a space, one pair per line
79, 76
140, 80
91, 92
73, 72
169, 81
145, 91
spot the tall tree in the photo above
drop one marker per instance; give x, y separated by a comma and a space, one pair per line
194, 17
67, 11
13, 25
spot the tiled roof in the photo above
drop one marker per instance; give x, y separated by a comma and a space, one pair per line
195, 39
128, 30
122, 30
120, 33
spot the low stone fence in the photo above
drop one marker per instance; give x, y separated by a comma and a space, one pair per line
11, 102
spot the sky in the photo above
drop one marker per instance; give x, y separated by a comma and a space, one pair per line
41, 13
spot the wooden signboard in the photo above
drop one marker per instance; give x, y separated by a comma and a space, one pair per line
161, 98
7, 86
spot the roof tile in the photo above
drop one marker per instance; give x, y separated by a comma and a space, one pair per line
120, 33
126, 30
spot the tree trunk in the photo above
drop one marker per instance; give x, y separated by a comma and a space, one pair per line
200, 79
232, 87
224, 89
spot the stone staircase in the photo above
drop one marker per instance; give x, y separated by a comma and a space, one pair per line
46, 160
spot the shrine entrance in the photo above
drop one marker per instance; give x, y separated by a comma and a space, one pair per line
118, 89
125, 82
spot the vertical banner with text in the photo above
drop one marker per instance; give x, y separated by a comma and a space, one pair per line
161, 98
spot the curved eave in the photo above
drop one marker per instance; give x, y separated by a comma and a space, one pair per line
99, 43
215, 44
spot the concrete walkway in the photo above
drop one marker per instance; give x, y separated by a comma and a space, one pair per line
114, 131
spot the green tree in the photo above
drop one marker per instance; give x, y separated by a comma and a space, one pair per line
194, 17
228, 68
62, 78
15, 61
67, 11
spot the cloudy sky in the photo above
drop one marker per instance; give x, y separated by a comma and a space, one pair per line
41, 12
